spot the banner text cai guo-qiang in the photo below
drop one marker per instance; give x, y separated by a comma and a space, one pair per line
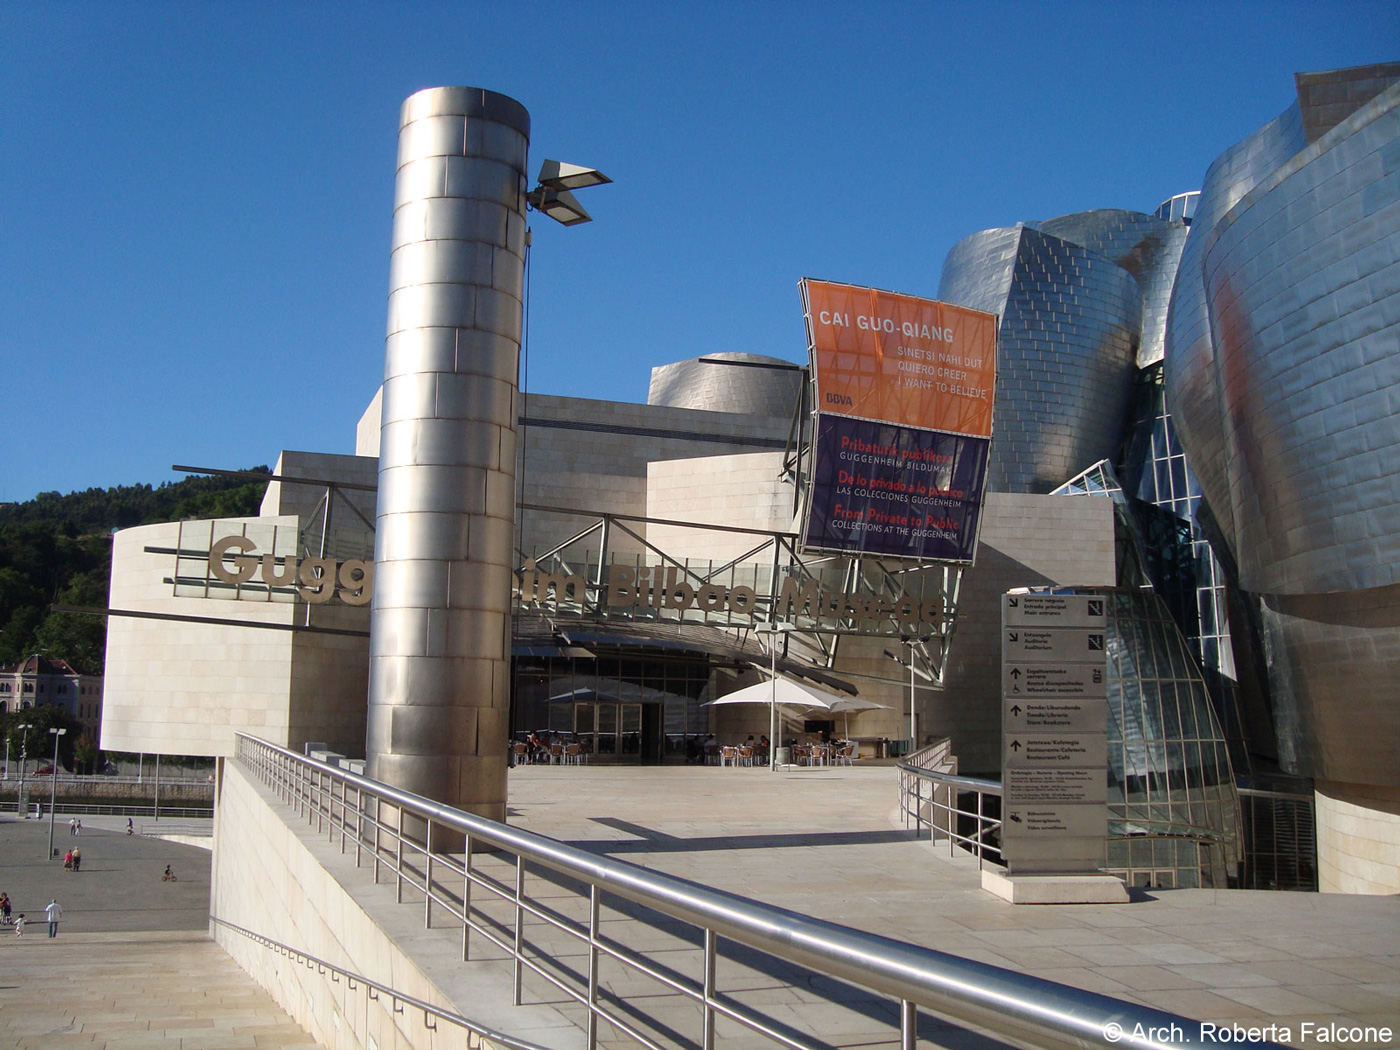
904, 390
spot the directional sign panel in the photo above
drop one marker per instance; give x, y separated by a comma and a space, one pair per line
1038, 680
1069, 645
1054, 661
1059, 716
1034, 786
1057, 820
1054, 610
1055, 750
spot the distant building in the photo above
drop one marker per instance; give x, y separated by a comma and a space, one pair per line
39, 680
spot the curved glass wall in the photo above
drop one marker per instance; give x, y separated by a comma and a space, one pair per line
1174, 812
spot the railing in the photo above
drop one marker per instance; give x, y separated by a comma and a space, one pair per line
964, 810
375, 990
486, 891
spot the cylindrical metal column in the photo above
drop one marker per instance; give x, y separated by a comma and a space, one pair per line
439, 691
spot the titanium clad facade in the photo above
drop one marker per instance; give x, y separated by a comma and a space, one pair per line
1192, 394
1147, 247
1283, 366
1071, 322
742, 383
439, 685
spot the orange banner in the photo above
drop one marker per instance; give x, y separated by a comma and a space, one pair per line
900, 359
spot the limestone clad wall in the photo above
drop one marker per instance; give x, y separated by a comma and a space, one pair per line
179, 687
1358, 838
1027, 541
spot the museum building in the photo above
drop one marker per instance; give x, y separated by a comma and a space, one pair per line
1192, 416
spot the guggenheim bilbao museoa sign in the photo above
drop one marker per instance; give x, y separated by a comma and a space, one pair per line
904, 390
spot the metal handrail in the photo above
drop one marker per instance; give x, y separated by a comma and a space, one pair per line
1012, 1005
509, 1042
913, 803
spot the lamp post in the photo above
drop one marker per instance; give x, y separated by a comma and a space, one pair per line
913, 709
22, 798
53, 785
7, 756
773, 630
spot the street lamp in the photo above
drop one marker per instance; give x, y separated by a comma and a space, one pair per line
773, 630
22, 799
552, 196
914, 674
53, 785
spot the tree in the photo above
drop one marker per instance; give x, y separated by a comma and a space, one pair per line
84, 753
36, 741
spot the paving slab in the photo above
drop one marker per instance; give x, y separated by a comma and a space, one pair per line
133, 965
828, 843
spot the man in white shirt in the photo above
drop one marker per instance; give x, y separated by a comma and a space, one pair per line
53, 913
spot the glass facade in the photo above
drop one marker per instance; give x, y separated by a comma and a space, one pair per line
628, 705
1174, 813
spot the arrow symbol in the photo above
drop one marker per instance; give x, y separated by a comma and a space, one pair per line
1015, 745
1015, 671
1013, 636
1016, 818
1016, 709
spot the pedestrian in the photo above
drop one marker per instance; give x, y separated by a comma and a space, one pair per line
78, 827
72, 825
77, 859
53, 913
19, 925
5, 908
128, 825
68, 861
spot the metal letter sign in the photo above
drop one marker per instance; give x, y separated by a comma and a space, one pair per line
1054, 733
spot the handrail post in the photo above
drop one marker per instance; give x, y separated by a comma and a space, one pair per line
908, 1025
398, 859
593, 915
428, 877
919, 809
466, 899
519, 925
980, 829
359, 825
378, 822
707, 1028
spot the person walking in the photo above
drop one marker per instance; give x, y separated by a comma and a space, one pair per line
77, 859
52, 914
19, 925
5, 908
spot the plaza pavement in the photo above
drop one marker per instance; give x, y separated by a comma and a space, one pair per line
133, 965
827, 843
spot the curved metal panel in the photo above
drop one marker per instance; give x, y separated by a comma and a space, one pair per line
729, 382
1303, 281
1192, 385
1067, 346
1283, 358
1147, 247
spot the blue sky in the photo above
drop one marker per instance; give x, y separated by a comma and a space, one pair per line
195, 198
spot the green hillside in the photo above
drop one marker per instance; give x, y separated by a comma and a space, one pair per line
57, 549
